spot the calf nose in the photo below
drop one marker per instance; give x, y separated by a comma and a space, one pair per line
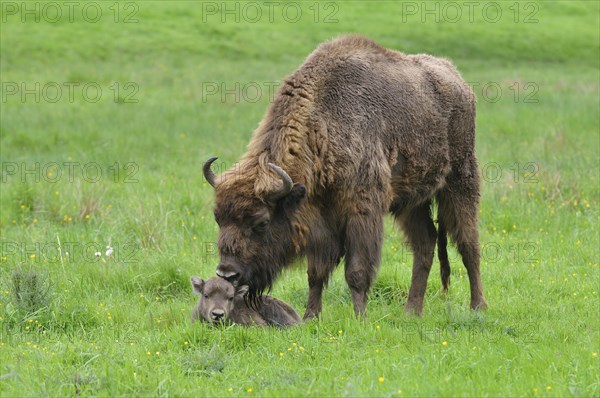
217, 315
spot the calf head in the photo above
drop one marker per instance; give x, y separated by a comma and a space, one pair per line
216, 298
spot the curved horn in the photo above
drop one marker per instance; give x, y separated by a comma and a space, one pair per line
285, 179
208, 173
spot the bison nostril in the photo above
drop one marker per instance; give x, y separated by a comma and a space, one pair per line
228, 276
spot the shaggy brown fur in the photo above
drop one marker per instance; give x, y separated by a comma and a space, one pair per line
220, 302
362, 131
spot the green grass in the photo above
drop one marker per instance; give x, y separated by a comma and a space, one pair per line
81, 324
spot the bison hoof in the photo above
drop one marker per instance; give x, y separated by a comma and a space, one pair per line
413, 309
309, 316
479, 305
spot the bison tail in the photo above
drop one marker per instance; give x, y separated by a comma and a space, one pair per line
443, 256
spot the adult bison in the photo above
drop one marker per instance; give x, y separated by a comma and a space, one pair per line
356, 132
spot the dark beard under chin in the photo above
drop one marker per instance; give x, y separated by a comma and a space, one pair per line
261, 280
263, 275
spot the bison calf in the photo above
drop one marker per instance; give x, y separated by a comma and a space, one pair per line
220, 301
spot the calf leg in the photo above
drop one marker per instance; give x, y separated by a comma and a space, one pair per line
364, 235
421, 234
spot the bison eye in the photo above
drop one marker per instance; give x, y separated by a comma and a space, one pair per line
206, 296
261, 226
230, 298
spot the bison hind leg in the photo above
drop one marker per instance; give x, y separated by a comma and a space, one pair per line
443, 256
421, 234
458, 213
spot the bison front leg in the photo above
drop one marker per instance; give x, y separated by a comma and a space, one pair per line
364, 237
316, 282
323, 254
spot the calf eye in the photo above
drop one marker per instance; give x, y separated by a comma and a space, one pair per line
206, 296
230, 298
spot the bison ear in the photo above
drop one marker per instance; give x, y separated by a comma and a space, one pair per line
294, 198
197, 284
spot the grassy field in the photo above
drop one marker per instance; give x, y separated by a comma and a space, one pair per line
108, 112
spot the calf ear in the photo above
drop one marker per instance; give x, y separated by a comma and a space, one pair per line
294, 198
197, 284
241, 291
